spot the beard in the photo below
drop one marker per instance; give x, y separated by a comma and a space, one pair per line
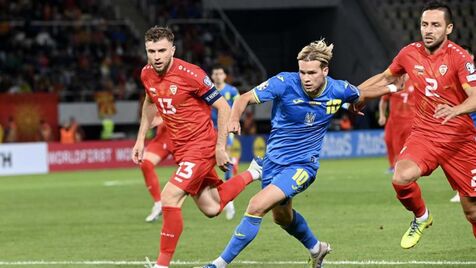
164, 69
434, 46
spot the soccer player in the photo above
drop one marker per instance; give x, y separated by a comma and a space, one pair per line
230, 93
443, 132
304, 103
183, 94
158, 149
398, 125
456, 198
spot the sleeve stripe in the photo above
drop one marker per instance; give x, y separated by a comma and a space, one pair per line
256, 96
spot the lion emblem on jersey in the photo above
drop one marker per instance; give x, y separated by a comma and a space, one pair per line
443, 69
173, 89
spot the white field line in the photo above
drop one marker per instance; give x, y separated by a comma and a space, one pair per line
283, 263
122, 183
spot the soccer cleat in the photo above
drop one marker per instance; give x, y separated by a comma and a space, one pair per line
316, 260
229, 211
155, 213
210, 265
256, 168
148, 264
455, 199
413, 234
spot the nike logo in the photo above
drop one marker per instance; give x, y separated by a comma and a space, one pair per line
239, 234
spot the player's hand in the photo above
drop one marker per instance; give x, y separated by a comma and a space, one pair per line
445, 111
137, 153
357, 108
382, 120
234, 127
223, 160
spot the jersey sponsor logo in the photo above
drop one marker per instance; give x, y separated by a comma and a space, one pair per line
173, 89
207, 81
470, 67
443, 68
263, 85
309, 119
297, 101
471, 78
420, 69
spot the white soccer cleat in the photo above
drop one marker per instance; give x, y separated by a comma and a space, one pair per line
316, 260
456, 198
256, 168
229, 210
155, 213
148, 264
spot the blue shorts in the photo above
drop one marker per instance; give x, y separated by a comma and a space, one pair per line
291, 179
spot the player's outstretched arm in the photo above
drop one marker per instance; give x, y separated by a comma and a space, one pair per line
237, 110
379, 85
448, 112
148, 113
220, 150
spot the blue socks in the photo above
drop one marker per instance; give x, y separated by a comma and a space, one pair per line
245, 232
300, 230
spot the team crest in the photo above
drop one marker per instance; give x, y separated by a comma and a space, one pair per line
173, 89
309, 119
470, 67
420, 69
443, 69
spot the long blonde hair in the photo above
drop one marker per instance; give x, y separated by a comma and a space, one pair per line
317, 50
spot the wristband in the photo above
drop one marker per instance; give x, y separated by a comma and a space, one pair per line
392, 88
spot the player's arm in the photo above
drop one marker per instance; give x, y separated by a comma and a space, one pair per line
467, 106
379, 85
148, 112
237, 110
382, 111
223, 109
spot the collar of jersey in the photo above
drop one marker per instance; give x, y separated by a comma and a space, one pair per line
319, 93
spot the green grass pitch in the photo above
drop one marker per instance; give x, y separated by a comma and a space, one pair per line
99, 216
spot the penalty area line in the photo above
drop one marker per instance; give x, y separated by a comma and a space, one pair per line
283, 263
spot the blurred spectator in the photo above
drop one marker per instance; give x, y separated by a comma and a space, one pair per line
11, 131
79, 132
45, 133
68, 133
249, 124
345, 123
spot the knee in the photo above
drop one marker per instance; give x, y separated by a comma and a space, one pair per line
255, 207
211, 211
471, 216
404, 176
146, 165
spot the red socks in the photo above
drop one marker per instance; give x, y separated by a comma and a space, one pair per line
171, 230
151, 179
232, 187
410, 197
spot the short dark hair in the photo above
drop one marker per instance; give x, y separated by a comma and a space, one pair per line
218, 67
440, 5
156, 33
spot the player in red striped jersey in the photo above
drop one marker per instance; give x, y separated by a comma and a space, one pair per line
183, 94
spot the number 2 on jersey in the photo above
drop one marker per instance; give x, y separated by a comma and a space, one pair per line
431, 86
166, 105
